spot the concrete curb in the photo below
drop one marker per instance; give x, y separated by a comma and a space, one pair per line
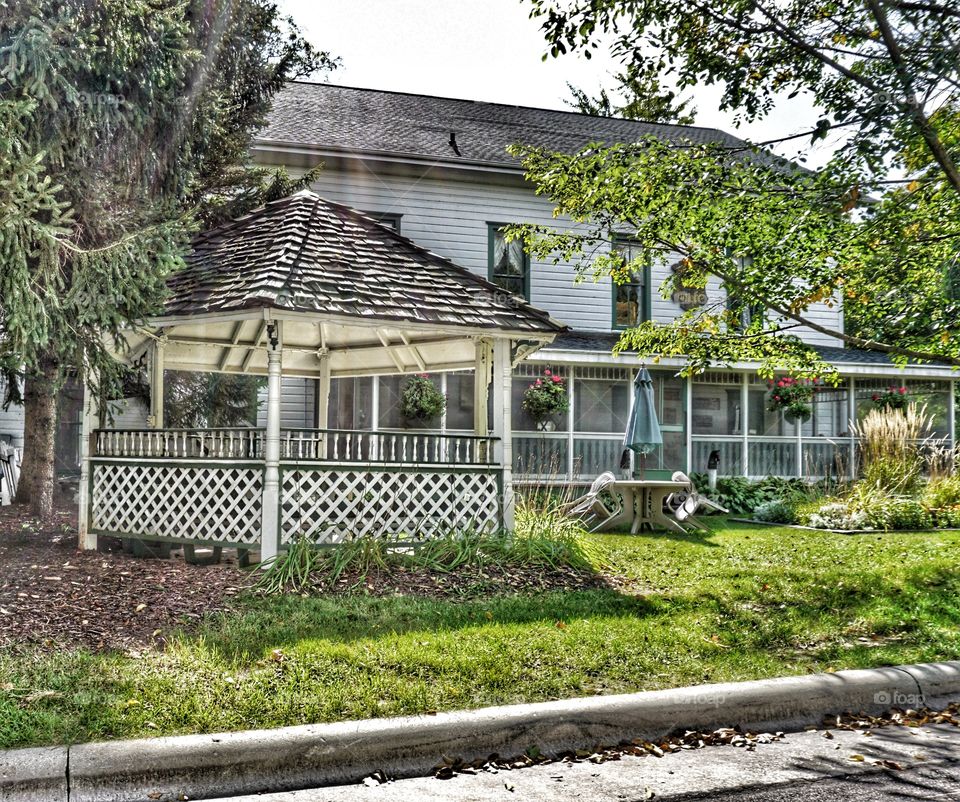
291, 758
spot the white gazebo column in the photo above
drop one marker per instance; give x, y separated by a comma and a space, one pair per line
323, 392
481, 394
270, 522
156, 383
89, 419
502, 422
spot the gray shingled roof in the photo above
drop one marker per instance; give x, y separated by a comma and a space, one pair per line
603, 341
304, 253
373, 121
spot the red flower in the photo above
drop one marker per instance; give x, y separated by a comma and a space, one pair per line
903, 391
557, 380
776, 398
875, 397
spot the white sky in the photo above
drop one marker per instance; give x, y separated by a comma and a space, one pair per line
484, 50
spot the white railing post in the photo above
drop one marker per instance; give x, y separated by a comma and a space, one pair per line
502, 422
269, 528
88, 422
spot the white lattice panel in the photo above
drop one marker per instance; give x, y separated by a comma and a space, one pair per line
331, 505
218, 504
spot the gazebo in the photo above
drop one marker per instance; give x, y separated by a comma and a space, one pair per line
309, 288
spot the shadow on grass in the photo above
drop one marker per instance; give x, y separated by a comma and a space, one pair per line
267, 623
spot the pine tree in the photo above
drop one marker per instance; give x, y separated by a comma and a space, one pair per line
130, 122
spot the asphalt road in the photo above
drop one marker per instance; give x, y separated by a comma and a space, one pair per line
921, 764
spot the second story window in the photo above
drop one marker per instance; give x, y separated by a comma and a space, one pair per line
388, 219
743, 311
508, 265
631, 298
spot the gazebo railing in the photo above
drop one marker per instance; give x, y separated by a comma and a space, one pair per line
408, 448
242, 443
325, 445
208, 485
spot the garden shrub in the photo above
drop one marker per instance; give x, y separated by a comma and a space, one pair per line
837, 514
869, 507
941, 493
777, 511
742, 497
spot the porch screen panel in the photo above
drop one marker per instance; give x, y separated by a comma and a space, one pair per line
935, 395
460, 401
717, 420
389, 399
351, 403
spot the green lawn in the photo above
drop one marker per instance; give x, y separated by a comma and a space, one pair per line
738, 603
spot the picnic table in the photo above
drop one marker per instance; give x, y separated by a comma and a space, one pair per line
643, 505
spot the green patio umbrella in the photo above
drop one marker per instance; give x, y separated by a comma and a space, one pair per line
643, 431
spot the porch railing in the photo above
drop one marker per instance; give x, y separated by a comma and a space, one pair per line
326, 445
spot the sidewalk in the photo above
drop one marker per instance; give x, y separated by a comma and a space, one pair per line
897, 763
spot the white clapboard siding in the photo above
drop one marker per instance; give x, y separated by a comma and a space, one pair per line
130, 413
297, 403
450, 217
11, 419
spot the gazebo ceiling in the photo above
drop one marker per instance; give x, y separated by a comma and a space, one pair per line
332, 284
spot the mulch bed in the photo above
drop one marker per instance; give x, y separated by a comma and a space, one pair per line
53, 595
465, 583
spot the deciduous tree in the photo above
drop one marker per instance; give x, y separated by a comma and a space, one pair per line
877, 227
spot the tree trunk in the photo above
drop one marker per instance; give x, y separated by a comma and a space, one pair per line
39, 437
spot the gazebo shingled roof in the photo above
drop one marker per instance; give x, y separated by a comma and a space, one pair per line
307, 254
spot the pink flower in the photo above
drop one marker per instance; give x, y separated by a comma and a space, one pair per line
546, 372
903, 391
557, 380
776, 398
538, 382
780, 383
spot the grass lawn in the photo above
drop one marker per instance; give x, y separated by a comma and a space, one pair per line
738, 603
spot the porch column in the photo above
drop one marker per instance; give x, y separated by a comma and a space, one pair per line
744, 423
89, 418
270, 523
851, 421
502, 422
952, 412
156, 383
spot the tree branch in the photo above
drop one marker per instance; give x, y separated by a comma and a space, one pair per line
916, 110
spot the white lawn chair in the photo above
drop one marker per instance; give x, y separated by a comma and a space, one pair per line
591, 508
9, 473
686, 503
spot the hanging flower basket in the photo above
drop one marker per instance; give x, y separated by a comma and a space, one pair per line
545, 398
894, 397
420, 400
793, 397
